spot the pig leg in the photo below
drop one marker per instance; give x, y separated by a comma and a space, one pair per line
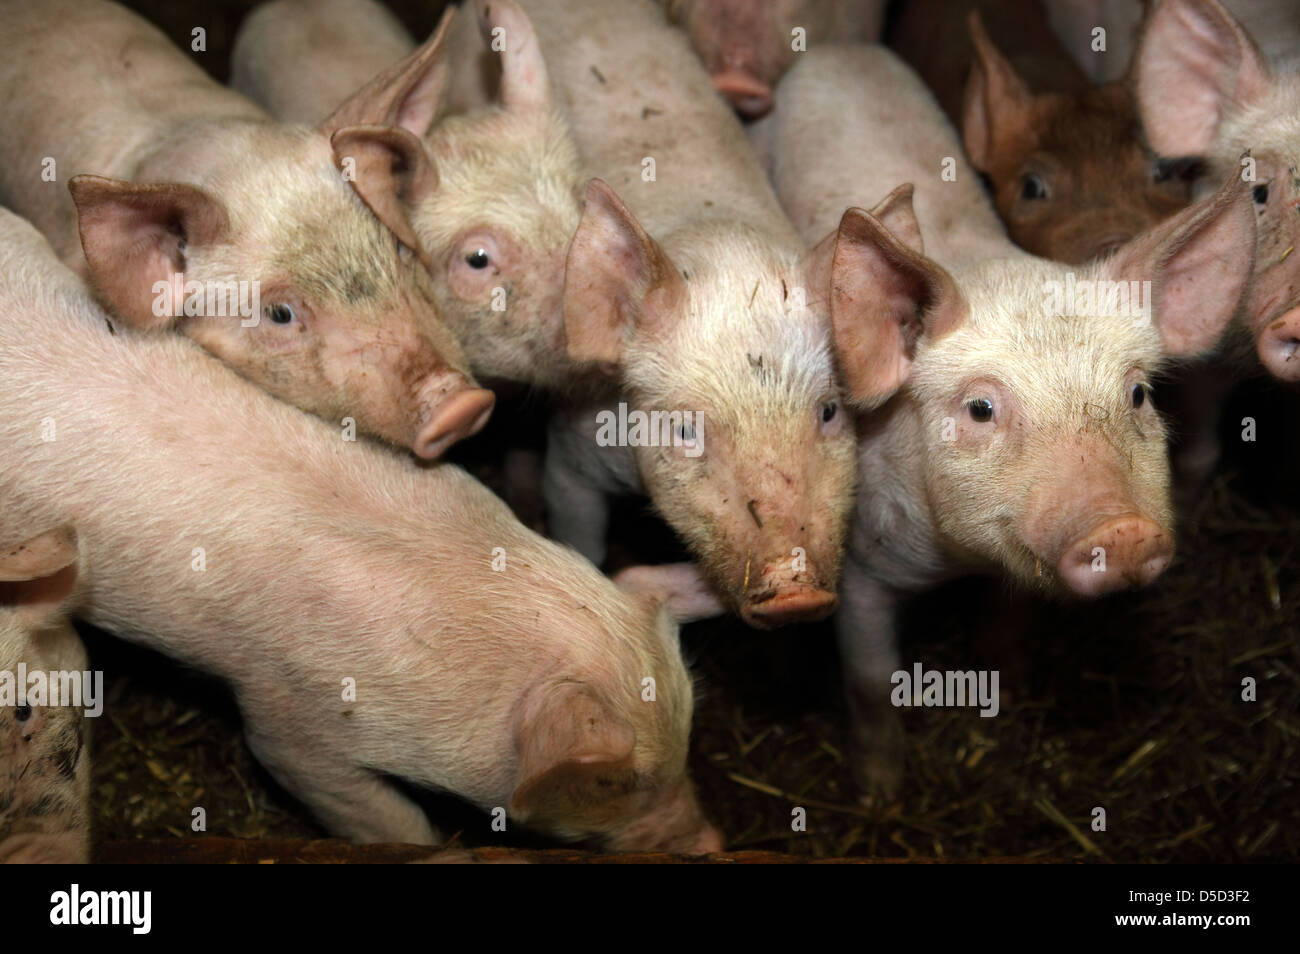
351, 801
869, 655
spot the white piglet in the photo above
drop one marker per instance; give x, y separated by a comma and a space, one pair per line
1024, 441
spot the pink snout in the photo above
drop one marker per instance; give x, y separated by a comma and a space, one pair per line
748, 94
789, 603
1279, 346
1119, 553
452, 416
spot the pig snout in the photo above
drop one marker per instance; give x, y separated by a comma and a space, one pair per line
672, 822
1277, 345
451, 409
786, 593
748, 94
1118, 553
778, 600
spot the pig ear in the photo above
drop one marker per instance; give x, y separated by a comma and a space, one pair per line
391, 171
896, 213
408, 94
135, 236
884, 296
1199, 264
573, 751
997, 101
1195, 63
38, 575
616, 279
679, 586
525, 81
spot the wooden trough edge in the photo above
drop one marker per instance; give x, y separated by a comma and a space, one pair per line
213, 850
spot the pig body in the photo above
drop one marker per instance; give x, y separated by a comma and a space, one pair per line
289, 563
1024, 438
688, 284
495, 223
44, 759
747, 45
1070, 175
1205, 89
146, 175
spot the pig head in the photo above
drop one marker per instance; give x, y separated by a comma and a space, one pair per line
1205, 90
44, 762
757, 478
279, 268
1070, 175
1043, 453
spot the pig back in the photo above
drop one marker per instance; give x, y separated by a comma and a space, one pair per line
647, 119
92, 107
852, 123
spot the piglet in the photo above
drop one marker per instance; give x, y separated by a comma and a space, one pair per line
498, 192
376, 620
1024, 441
44, 761
188, 207
1205, 89
690, 288
1070, 175
747, 45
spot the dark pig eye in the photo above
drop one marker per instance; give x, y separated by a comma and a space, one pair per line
829, 410
1033, 187
1260, 194
981, 410
1139, 395
477, 259
280, 314
23, 713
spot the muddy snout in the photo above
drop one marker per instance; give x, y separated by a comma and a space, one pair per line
451, 408
1117, 553
784, 594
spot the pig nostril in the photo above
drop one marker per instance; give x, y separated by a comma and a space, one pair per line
1278, 347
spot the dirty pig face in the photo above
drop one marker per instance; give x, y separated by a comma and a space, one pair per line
762, 497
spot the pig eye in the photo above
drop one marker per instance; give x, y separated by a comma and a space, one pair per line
1033, 187
1260, 194
1139, 395
23, 713
829, 410
477, 259
980, 409
279, 313
686, 433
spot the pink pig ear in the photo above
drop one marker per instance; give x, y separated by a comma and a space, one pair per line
525, 81
884, 296
997, 104
574, 752
896, 213
616, 280
135, 236
38, 574
408, 94
391, 171
1194, 65
1199, 264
